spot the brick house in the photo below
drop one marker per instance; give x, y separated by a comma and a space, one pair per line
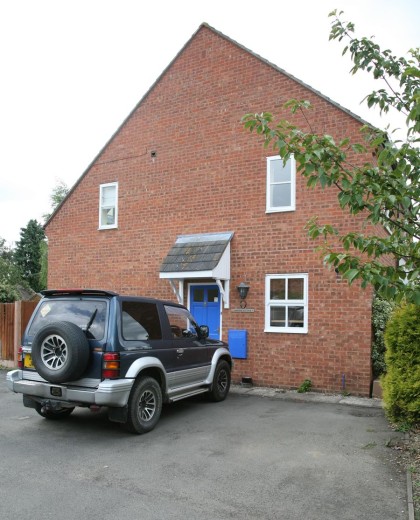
184, 203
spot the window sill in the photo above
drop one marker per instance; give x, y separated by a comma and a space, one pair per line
280, 210
102, 228
287, 331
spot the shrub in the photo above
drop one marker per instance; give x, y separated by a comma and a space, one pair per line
381, 312
8, 293
401, 384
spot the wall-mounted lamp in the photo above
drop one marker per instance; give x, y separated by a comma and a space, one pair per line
243, 289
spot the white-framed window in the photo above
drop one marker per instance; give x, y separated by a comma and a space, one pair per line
286, 303
281, 184
108, 205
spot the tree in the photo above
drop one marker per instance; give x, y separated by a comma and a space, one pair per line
6, 252
386, 191
43, 275
57, 196
10, 275
27, 254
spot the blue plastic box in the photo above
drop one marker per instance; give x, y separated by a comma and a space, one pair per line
238, 343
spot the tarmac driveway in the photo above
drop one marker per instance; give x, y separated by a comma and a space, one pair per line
250, 457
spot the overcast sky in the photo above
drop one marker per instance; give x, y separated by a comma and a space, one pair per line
71, 71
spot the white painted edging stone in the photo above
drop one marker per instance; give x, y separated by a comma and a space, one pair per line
410, 496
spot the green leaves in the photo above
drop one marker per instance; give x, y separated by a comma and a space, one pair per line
27, 255
374, 177
393, 71
351, 274
401, 383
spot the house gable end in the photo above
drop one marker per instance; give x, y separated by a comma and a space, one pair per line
203, 26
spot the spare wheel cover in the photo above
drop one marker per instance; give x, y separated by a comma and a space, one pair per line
60, 352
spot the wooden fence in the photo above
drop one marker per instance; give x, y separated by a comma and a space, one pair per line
13, 319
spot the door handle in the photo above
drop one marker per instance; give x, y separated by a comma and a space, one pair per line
179, 352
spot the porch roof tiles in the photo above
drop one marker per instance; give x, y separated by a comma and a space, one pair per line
201, 252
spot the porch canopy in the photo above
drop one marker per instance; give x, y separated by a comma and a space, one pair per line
199, 256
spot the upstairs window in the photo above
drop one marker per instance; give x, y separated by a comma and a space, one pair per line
281, 184
286, 299
108, 205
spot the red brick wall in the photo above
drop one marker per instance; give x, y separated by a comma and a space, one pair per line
209, 175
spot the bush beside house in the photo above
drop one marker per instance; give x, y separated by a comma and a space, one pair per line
401, 383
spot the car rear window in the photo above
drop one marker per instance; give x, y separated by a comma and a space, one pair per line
79, 312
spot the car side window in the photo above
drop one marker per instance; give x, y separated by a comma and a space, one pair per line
181, 322
140, 321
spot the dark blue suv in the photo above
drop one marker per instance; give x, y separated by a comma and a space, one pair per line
95, 348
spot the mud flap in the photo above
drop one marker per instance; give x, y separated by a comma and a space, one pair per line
118, 414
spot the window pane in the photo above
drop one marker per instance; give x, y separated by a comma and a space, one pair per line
78, 312
295, 317
277, 289
108, 196
140, 321
280, 173
198, 295
295, 287
213, 295
108, 217
181, 321
278, 316
280, 195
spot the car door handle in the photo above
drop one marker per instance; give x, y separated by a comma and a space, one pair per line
179, 352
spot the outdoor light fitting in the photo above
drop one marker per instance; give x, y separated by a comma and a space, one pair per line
243, 289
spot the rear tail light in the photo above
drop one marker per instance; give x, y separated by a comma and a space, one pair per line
111, 365
20, 357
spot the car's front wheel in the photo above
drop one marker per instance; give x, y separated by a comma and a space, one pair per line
221, 382
144, 406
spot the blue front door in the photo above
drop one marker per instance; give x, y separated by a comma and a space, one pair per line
205, 307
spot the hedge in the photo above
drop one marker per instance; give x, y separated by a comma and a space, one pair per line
401, 384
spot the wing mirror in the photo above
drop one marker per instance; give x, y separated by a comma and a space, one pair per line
203, 331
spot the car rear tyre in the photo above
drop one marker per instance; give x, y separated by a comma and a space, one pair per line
60, 352
144, 406
221, 382
54, 415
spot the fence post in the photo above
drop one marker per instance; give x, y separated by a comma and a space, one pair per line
17, 331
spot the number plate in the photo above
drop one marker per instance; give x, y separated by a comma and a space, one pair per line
27, 361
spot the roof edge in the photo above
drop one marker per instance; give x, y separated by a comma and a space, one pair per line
294, 78
119, 128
